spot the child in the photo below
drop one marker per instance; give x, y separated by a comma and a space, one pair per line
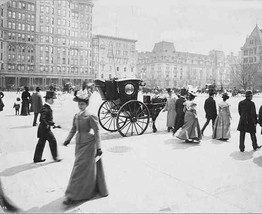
17, 105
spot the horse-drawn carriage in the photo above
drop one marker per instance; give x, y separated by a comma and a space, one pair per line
121, 111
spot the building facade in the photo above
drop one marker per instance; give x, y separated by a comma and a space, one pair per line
167, 68
251, 52
45, 42
113, 57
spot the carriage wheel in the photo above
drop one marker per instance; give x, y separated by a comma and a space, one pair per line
107, 113
132, 118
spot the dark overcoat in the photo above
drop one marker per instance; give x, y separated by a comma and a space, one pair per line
180, 114
46, 121
210, 108
248, 116
36, 102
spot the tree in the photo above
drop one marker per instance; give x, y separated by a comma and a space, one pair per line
245, 76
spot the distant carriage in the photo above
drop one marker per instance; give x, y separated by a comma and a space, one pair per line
121, 111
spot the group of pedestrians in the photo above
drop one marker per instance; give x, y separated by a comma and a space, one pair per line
182, 116
87, 177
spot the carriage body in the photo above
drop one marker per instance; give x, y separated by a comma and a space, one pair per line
121, 111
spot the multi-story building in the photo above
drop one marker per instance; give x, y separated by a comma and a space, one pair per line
251, 52
46, 41
113, 57
165, 67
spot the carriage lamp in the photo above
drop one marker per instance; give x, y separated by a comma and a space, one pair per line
129, 89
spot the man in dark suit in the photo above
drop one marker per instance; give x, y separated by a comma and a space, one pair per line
37, 104
210, 109
44, 132
248, 121
180, 114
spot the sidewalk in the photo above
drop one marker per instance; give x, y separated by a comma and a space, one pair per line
153, 173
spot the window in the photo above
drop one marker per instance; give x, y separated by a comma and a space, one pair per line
42, 8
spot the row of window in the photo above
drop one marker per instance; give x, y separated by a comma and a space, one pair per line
62, 60
250, 59
64, 69
21, 26
64, 41
21, 5
20, 67
22, 49
117, 45
21, 16
20, 58
176, 60
64, 32
251, 51
21, 37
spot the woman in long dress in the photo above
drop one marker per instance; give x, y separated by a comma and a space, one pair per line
190, 131
171, 110
87, 178
25, 101
222, 122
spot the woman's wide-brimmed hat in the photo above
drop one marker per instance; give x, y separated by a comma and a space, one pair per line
82, 96
193, 93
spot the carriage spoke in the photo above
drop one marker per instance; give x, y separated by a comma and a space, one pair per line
136, 129
132, 124
110, 123
128, 129
142, 121
107, 121
123, 116
106, 117
139, 125
136, 118
138, 109
125, 125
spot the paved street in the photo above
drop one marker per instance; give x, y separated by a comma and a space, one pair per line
154, 172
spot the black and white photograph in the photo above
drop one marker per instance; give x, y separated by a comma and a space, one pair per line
130, 106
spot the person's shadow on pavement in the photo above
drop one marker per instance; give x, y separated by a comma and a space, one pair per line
21, 168
57, 206
237, 155
258, 161
179, 144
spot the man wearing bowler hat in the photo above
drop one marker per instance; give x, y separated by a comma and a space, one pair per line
248, 121
36, 104
44, 132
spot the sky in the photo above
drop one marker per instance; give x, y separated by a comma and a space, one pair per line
195, 26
